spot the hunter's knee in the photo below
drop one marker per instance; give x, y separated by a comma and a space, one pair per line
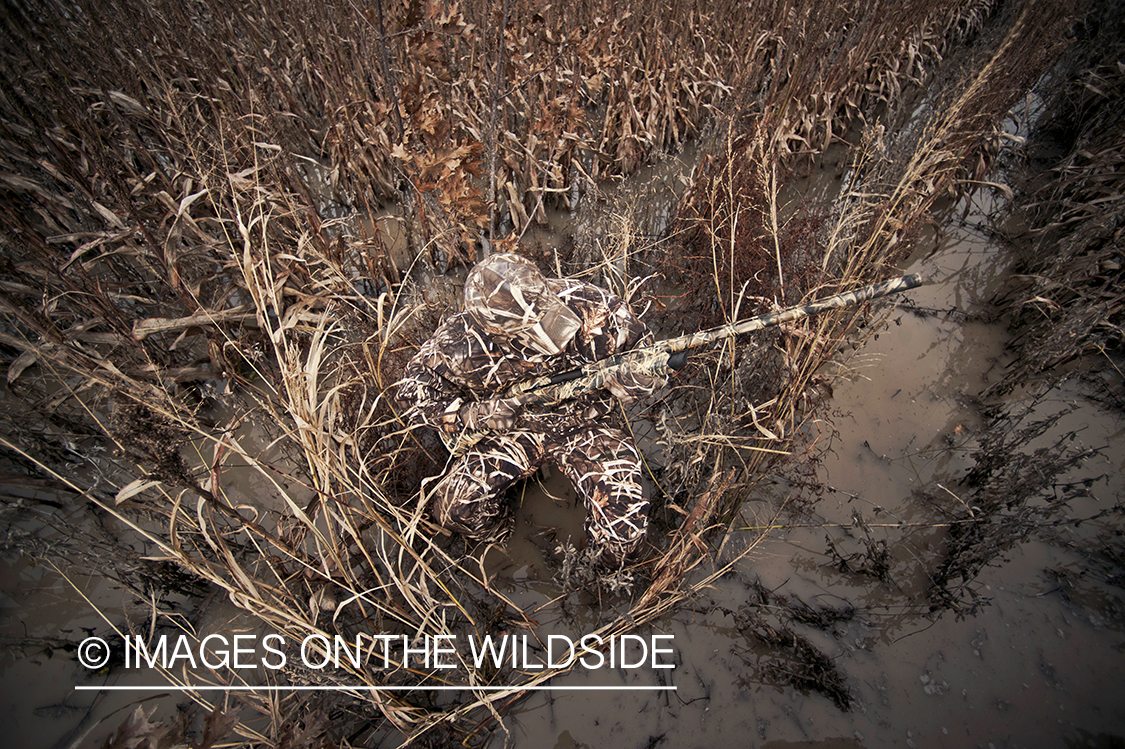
485, 519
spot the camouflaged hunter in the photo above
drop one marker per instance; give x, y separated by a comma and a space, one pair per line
518, 326
551, 348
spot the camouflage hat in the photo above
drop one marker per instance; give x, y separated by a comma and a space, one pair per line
509, 296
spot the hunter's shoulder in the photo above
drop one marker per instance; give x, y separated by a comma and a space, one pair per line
572, 291
450, 343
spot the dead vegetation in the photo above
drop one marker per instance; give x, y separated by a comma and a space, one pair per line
1068, 300
1016, 491
190, 280
1065, 306
787, 658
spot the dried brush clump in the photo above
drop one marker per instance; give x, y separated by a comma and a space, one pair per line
1015, 491
874, 560
789, 658
793, 661
736, 237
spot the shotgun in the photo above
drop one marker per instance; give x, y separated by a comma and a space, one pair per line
670, 354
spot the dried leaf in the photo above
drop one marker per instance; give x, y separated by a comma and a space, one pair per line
107, 214
22, 362
217, 726
133, 488
128, 103
186, 202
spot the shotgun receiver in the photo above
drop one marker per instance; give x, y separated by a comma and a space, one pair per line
670, 354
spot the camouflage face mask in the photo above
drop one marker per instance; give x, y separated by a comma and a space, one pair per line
509, 296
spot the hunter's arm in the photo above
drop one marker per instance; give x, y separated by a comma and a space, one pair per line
429, 397
609, 327
434, 391
431, 388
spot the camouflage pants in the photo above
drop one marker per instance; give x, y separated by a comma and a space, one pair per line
601, 462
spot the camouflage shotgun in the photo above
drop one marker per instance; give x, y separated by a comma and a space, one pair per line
670, 354
665, 356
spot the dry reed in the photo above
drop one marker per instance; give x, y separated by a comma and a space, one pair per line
185, 257
1067, 301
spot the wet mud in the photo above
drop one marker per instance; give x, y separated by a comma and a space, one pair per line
824, 635
846, 581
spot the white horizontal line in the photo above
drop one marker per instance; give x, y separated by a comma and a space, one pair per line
358, 688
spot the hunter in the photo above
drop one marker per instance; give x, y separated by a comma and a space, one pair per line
516, 326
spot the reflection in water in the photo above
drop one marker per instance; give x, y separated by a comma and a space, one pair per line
1034, 663
1040, 661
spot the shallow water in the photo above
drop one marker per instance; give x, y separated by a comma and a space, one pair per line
1035, 667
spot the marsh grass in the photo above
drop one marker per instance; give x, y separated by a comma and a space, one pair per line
1064, 307
1067, 300
185, 288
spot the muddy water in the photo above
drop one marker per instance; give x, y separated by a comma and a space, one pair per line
1038, 666
39, 706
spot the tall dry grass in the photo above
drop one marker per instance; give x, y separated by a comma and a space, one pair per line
184, 256
1066, 300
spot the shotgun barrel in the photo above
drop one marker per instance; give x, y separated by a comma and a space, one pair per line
670, 354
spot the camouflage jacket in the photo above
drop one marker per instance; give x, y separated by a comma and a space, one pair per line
460, 365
